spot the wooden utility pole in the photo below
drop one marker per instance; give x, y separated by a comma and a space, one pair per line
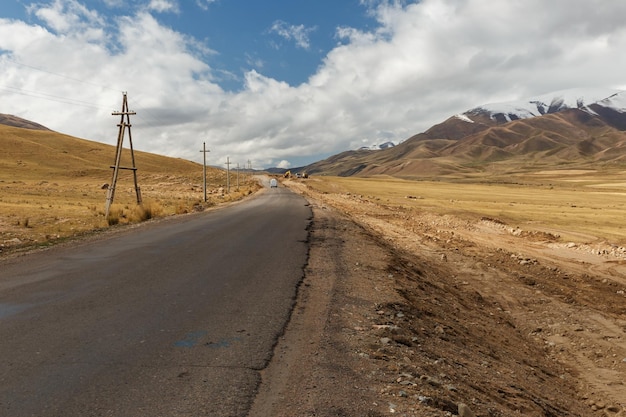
237, 176
204, 151
123, 124
228, 174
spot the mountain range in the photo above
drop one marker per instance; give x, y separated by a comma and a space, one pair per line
572, 129
562, 130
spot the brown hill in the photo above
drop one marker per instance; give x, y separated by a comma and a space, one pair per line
53, 187
10, 120
44, 154
572, 138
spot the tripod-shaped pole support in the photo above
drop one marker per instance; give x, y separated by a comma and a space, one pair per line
124, 123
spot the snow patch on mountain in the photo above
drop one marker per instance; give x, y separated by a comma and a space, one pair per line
464, 118
615, 101
381, 146
551, 103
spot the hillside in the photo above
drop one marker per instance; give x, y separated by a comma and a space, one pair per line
567, 131
10, 120
53, 186
32, 154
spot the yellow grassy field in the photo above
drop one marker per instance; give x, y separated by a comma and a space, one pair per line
46, 211
571, 204
51, 187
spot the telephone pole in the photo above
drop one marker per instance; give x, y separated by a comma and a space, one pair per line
237, 176
123, 124
228, 174
204, 151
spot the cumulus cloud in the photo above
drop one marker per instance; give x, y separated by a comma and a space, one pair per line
68, 17
423, 62
283, 164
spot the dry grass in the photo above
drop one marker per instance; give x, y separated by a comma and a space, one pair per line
51, 187
571, 204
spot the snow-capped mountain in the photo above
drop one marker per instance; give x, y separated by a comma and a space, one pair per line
582, 99
385, 145
582, 128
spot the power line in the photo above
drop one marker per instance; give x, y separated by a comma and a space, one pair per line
60, 75
27, 93
51, 97
151, 121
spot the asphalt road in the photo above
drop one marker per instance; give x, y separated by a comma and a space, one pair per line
175, 318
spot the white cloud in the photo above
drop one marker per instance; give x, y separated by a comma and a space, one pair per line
69, 17
163, 6
283, 164
299, 34
424, 62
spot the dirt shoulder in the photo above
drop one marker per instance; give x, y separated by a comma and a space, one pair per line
409, 313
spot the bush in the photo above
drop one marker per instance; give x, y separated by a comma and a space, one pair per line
146, 211
114, 218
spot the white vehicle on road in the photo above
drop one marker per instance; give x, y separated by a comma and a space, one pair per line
273, 183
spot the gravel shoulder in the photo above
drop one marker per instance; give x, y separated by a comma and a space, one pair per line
417, 314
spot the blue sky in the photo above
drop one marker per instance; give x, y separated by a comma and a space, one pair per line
283, 39
286, 83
